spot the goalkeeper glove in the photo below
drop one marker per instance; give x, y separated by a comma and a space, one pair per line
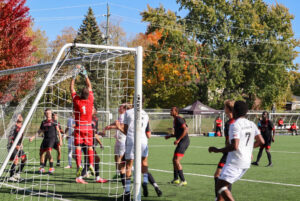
83, 72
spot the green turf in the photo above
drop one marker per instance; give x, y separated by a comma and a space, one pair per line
198, 165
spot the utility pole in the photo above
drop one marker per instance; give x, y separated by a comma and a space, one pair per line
106, 64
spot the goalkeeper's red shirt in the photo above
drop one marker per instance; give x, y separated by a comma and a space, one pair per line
83, 109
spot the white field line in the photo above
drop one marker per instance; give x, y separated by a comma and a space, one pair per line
200, 147
249, 180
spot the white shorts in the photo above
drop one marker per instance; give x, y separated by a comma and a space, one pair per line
129, 153
119, 148
231, 173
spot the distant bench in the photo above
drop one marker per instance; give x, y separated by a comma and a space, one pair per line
284, 127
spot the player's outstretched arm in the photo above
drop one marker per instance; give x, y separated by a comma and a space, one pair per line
37, 134
259, 140
230, 147
98, 140
72, 84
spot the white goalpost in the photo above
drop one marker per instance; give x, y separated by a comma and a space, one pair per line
117, 72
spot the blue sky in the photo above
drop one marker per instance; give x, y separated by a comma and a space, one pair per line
53, 15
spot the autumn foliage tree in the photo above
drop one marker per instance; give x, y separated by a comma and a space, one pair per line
15, 48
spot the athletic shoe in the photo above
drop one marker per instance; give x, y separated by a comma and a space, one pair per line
270, 165
68, 167
183, 183
158, 191
41, 170
91, 168
13, 179
145, 189
175, 181
80, 181
51, 170
126, 196
79, 171
101, 180
17, 176
255, 163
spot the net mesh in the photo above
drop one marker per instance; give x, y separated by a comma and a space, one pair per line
112, 76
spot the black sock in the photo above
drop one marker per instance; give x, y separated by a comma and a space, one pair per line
151, 179
230, 187
22, 166
58, 161
269, 157
42, 165
45, 163
51, 164
216, 191
122, 179
175, 174
97, 169
12, 170
259, 155
84, 171
180, 172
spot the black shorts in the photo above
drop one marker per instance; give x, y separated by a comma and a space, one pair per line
222, 161
182, 147
17, 154
48, 144
268, 141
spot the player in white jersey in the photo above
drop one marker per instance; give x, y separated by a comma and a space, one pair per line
69, 135
128, 129
120, 143
243, 136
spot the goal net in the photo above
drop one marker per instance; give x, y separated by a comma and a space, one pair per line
116, 78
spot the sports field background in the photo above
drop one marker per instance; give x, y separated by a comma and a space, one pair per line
278, 183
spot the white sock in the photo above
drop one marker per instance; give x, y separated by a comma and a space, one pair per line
98, 177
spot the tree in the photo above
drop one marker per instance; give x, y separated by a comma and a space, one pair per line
249, 49
169, 62
15, 49
295, 85
117, 36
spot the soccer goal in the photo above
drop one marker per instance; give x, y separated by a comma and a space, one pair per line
116, 77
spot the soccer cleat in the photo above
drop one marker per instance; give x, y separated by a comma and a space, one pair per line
41, 170
80, 181
270, 165
68, 167
255, 163
175, 181
145, 189
101, 180
158, 191
126, 196
51, 170
13, 179
17, 176
79, 171
91, 168
58, 164
183, 183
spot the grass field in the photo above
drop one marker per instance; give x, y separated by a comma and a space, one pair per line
278, 183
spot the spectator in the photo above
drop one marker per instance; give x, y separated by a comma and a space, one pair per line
280, 123
218, 126
293, 129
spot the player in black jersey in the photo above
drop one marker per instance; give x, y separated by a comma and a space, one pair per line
18, 153
50, 129
182, 141
228, 108
266, 128
58, 139
96, 141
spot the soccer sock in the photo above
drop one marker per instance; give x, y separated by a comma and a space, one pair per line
122, 179
42, 165
180, 172
151, 180
51, 164
145, 178
78, 157
91, 156
269, 157
97, 169
58, 161
21, 167
84, 171
127, 185
12, 170
45, 163
216, 191
259, 155
175, 174
230, 187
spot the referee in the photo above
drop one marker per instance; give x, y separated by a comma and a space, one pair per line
182, 141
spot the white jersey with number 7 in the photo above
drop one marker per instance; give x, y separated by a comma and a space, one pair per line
245, 131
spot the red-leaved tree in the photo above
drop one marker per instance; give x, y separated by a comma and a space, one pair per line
15, 49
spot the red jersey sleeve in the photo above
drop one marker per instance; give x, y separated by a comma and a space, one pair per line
91, 96
73, 95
